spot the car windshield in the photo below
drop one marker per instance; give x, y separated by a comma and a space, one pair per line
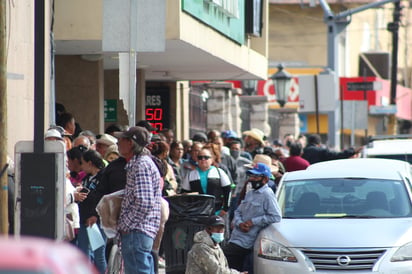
344, 198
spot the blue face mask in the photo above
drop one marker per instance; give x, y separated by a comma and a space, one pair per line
217, 237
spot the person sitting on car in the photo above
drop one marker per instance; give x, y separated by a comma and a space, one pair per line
258, 210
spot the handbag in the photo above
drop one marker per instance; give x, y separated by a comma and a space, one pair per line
69, 234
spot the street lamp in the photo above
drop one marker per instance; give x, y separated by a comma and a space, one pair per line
249, 86
281, 80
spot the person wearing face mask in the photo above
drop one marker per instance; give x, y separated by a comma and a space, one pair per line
206, 256
235, 148
257, 210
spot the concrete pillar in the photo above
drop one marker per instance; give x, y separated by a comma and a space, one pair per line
182, 111
259, 113
236, 112
288, 123
219, 115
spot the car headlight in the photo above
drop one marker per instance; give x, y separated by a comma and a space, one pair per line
404, 253
275, 251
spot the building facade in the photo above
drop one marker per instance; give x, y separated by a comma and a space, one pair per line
120, 61
299, 39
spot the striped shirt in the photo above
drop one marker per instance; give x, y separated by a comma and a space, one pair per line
141, 204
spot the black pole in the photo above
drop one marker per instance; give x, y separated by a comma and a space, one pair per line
39, 76
317, 105
394, 28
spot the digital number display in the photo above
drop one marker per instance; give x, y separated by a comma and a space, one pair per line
155, 117
157, 107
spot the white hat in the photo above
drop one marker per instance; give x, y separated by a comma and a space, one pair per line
107, 139
53, 133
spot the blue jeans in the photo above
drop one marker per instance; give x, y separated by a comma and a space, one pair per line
136, 252
98, 255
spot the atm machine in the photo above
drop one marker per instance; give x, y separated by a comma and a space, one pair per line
39, 190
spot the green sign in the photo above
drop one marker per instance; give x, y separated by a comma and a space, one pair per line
110, 110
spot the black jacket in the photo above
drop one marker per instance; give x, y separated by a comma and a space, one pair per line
314, 154
87, 208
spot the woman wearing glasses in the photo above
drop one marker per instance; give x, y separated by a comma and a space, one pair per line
208, 179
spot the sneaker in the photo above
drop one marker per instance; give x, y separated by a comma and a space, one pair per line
161, 262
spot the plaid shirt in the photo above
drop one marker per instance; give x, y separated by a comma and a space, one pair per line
141, 204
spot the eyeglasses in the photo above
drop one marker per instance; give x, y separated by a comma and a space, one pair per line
203, 157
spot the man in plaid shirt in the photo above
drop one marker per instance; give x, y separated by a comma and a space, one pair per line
140, 212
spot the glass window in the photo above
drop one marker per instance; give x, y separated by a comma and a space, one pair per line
354, 197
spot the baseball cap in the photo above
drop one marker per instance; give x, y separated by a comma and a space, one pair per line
199, 137
215, 220
146, 125
53, 133
138, 134
229, 134
260, 169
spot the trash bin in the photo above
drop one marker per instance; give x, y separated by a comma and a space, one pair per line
187, 216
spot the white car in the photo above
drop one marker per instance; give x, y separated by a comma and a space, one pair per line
396, 147
343, 216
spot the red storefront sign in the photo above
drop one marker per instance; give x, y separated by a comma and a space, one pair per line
379, 96
267, 88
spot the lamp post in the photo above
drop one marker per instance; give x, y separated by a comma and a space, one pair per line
282, 81
249, 86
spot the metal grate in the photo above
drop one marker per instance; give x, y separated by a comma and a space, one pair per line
344, 259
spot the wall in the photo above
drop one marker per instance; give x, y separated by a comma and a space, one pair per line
20, 64
78, 19
298, 35
202, 36
79, 87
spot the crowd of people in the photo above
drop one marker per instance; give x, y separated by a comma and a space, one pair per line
241, 171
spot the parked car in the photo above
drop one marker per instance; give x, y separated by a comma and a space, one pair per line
342, 216
29, 255
396, 147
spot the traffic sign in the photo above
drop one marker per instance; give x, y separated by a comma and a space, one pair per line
363, 86
389, 109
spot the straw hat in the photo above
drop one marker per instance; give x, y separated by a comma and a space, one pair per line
261, 158
256, 134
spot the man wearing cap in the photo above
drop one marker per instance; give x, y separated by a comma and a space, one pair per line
103, 143
200, 137
140, 212
53, 134
206, 256
254, 141
147, 125
258, 210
